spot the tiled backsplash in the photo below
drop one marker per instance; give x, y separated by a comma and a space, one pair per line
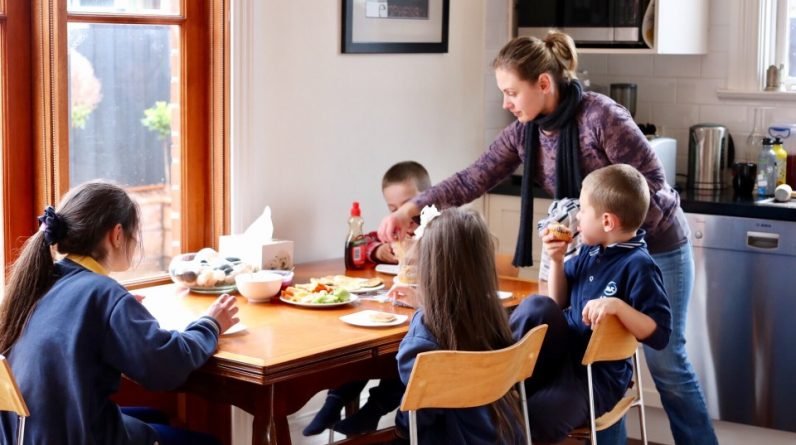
674, 92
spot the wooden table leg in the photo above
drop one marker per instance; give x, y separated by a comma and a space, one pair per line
262, 430
282, 430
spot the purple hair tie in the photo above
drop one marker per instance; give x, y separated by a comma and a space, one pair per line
52, 225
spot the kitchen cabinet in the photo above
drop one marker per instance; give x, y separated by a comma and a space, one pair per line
680, 27
503, 218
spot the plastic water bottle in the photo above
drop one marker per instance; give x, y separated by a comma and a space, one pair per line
782, 161
766, 169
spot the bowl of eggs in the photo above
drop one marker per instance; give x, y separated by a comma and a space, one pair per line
206, 271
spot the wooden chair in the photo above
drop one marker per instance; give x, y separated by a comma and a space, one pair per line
11, 399
504, 267
465, 379
612, 341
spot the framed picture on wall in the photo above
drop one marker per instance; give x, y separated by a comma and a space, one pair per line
395, 26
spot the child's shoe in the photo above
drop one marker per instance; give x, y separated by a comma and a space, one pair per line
363, 421
328, 415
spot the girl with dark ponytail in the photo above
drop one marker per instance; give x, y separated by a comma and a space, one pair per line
69, 331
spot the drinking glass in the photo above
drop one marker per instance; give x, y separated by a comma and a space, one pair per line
759, 131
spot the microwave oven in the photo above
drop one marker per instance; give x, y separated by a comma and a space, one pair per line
590, 23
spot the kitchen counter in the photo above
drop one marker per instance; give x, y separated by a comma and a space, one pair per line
722, 202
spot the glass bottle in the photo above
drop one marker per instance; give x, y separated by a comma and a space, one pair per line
758, 132
356, 255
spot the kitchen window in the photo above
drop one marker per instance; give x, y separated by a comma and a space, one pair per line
785, 41
133, 91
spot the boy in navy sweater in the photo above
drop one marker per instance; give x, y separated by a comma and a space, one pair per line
613, 274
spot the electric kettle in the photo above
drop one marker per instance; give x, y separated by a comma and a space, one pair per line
710, 156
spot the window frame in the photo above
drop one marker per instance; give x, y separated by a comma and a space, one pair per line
38, 166
781, 42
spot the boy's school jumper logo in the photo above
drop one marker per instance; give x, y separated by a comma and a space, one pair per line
610, 290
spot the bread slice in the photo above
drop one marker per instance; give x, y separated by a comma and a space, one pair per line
381, 317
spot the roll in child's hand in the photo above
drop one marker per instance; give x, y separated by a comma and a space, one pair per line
559, 232
556, 237
223, 310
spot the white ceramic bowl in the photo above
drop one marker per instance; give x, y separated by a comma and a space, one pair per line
259, 287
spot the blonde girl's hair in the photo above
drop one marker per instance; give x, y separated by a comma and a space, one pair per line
457, 284
529, 57
86, 214
619, 189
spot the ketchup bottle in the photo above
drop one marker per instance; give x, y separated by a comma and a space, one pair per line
356, 255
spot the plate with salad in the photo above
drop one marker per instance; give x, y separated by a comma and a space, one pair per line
318, 296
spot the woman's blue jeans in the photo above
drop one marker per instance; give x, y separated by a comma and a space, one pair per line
674, 377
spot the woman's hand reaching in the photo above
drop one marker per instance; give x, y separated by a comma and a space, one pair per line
223, 310
397, 224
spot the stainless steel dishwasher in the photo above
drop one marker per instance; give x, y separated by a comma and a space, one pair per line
741, 328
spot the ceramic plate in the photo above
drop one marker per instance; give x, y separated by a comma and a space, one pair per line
363, 290
389, 269
362, 318
213, 290
397, 282
320, 305
238, 328
504, 295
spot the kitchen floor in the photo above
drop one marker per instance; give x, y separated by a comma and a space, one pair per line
300, 419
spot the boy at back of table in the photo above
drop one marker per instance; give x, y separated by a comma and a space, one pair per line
613, 274
402, 182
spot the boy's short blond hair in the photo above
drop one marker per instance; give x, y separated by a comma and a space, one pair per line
619, 189
406, 170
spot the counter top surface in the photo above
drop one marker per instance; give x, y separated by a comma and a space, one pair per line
721, 202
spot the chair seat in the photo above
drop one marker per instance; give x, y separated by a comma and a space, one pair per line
607, 419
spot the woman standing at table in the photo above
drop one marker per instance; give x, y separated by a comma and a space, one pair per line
70, 331
560, 135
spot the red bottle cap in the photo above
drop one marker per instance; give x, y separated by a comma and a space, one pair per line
355, 211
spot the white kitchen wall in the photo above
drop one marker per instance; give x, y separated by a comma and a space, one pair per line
314, 129
675, 92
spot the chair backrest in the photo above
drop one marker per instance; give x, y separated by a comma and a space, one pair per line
10, 396
610, 341
465, 379
504, 266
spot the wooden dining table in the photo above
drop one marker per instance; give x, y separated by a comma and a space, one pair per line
287, 353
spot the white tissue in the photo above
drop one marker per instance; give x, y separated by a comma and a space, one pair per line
257, 247
262, 229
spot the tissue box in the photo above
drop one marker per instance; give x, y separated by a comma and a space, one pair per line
274, 254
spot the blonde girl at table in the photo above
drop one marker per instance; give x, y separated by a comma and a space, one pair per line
460, 310
70, 331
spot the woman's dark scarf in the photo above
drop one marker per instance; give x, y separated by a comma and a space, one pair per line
568, 176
